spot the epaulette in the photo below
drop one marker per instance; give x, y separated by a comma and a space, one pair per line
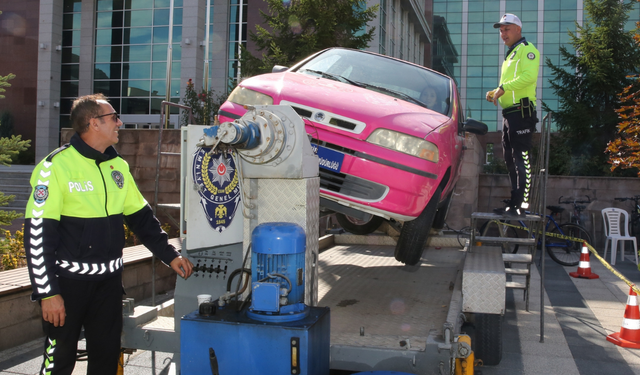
57, 151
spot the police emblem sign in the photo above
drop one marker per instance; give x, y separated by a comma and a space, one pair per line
217, 179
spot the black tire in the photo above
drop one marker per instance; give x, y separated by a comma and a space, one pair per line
415, 233
488, 345
566, 252
357, 226
441, 214
490, 228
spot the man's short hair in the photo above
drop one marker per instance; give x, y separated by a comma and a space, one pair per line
83, 110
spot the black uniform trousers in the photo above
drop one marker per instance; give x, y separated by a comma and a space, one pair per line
96, 306
517, 132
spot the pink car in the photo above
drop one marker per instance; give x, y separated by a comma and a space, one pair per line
389, 135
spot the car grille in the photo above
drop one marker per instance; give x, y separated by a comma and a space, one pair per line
340, 123
351, 186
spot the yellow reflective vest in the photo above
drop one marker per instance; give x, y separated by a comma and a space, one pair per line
74, 217
519, 74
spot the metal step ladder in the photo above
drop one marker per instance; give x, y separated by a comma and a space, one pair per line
514, 273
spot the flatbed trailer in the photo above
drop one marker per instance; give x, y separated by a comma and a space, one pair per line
386, 315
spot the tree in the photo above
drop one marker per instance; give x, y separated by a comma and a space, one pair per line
9, 147
624, 152
589, 81
204, 105
299, 28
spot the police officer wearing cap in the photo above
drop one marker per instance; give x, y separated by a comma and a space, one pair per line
516, 94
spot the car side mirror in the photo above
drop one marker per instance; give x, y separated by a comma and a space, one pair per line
278, 68
475, 127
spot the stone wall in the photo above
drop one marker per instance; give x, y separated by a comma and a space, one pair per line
465, 196
601, 190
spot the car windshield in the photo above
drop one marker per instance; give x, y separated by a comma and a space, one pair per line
384, 75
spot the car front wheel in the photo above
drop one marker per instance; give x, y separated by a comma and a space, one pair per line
415, 233
357, 226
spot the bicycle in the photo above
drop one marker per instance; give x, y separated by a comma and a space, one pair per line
577, 208
563, 251
634, 221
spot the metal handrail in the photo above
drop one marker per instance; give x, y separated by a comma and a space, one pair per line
164, 104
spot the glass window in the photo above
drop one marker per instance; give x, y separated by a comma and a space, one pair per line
440, 8
138, 4
159, 88
108, 88
159, 70
475, 6
475, 28
137, 35
70, 72
474, 82
529, 16
551, 38
69, 89
160, 35
107, 37
135, 106
138, 18
71, 21
159, 52
551, 5
454, 17
106, 71
474, 49
136, 71
110, 4
108, 54
568, 4
161, 17
72, 6
135, 88
454, 7
474, 39
137, 53
529, 5
492, 6
551, 16
71, 55
110, 19
177, 52
474, 72
489, 60
71, 38
492, 49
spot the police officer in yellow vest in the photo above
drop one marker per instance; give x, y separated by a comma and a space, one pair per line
517, 97
82, 194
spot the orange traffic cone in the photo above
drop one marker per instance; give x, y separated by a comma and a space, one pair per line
629, 335
584, 267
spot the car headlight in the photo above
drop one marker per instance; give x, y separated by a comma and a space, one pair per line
244, 96
404, 143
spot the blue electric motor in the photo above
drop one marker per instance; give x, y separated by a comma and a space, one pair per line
277, 269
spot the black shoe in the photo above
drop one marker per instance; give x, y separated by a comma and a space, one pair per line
514, 211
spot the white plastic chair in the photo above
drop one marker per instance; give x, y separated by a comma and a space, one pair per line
616, 230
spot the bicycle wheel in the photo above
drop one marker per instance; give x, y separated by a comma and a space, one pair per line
567, 252
491, 229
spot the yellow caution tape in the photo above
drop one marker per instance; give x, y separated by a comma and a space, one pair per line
591, 249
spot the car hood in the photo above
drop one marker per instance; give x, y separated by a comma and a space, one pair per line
374, 109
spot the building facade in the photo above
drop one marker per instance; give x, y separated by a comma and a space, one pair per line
141, 52
481, 51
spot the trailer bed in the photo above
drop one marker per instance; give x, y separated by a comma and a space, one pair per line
398, 307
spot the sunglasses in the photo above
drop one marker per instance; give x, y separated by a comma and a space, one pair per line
115, 115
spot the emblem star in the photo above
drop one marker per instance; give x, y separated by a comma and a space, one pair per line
220, 170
